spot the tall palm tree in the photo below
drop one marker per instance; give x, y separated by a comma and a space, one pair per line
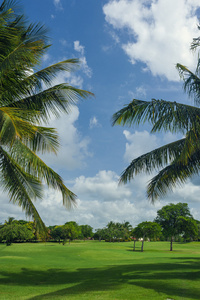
174, 162
24, 106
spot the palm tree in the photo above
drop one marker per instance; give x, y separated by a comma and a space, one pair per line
27, 99
174, 162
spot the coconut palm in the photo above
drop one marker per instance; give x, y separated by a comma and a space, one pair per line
27, 100
176, 161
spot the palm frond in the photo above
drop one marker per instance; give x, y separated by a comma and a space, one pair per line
163, 115
21, 186
191, 82
153, 160
173, 175
34, 165
54, 100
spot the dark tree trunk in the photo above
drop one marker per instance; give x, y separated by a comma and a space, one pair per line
171, 241
134, 245
142, 247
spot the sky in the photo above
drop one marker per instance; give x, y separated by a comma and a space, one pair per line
128, 49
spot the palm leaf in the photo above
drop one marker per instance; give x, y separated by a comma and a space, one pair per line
35, 166
191, 82
21, 186
163, 115
54, 100
175, 174
153, 160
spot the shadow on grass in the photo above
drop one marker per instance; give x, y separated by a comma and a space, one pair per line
161, 277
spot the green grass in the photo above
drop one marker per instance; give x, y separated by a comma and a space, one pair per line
98, 270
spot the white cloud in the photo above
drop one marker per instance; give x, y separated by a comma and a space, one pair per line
160, 32
105, 183
140, 91
46, 57
81, 49
58, 4
139, 143
74, 148
101, 199
94, 122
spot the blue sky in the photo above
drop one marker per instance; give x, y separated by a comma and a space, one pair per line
128, 49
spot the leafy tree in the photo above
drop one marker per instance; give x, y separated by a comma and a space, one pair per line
189, 228
15, 232
175, 219
100, 234
111, 230
10, 221
146, 230
57, 233
86, 231
28, 99
70, 231
176, 161
117, 231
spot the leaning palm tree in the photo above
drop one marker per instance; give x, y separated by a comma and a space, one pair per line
174, 162
27, 100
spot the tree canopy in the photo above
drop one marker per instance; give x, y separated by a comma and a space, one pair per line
176, 219
146, 230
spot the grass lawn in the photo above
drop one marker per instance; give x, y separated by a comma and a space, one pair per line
98, 270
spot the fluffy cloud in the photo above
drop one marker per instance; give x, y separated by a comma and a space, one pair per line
159, 32
81, 49
101, 199
73, 147
139, 143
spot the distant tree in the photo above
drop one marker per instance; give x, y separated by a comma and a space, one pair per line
22, 222
189, 228
111, 230
86, 231
9, 221
57, 233
170, 217
128, 226
70, 231
100, 234
15, 232
146, 230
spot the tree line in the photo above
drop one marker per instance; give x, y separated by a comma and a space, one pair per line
173, 222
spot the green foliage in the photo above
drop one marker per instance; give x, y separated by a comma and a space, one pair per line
14, 232
27, 100
146, 230
176, 219
114, 232
70, 231
56, 233
86, 231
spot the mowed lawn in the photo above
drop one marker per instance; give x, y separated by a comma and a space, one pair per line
99, 270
